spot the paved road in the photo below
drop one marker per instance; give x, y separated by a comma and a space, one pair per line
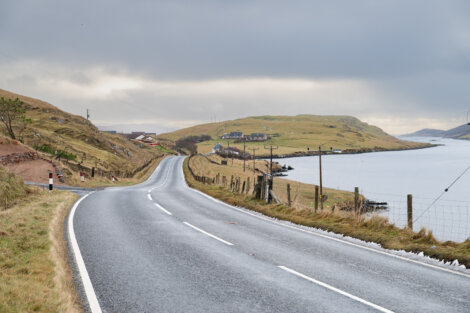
175, 250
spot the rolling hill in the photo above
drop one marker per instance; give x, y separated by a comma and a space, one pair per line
459, 132
294, 134
79, 140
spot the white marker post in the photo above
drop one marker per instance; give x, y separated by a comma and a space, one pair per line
82, 177
51, 181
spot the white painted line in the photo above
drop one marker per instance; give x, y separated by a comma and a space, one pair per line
163, 209
208, 234
150, 197
89, 291
332, 238
341, 292
164, 181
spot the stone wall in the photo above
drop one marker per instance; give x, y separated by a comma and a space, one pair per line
16, 158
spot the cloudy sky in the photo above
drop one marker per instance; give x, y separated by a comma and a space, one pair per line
161, 65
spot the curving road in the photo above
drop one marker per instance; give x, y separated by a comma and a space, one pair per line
163, 247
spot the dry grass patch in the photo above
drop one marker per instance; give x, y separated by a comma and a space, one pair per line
375, 229
34, 274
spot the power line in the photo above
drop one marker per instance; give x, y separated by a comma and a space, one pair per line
443, 193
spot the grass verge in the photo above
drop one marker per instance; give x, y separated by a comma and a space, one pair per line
375, 229
34, 271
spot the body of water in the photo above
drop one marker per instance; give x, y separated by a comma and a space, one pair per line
390, 176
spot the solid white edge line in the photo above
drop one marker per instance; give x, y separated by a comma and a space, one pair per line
208, 234
89, 291
163, 209
149, 196
341, 292
331, 238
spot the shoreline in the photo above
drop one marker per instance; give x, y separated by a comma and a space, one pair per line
345, 152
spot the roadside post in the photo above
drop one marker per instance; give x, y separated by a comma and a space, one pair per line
289, 202
316, 198
51, 181
356, 200
82, 177
410, 211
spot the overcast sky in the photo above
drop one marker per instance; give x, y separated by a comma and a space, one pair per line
161, 65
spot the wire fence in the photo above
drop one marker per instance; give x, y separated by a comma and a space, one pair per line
447, 219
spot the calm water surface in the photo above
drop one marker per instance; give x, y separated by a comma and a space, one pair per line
390, 176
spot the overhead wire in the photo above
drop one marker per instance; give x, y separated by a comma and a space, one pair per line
442, 194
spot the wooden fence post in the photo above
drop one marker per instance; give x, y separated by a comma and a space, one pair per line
244, 185
316, 198
410, 212
356, 199
247, 185
288, 195
258, 187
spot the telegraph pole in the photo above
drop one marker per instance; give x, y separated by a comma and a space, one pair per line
321, 183
254, 159
271, 148
87, 114
244, 156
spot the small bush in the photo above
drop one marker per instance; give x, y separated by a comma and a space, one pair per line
58, 153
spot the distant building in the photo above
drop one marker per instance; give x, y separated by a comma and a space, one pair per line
337, 151
140, 137
257, 137
232, 135
110, 131
218, 147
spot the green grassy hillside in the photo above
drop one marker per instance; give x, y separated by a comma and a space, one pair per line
293, 134
79, 138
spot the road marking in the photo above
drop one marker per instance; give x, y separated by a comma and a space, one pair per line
163, 209
332, 238
208, 234
164, 181
150, 197
89, 291
341, 292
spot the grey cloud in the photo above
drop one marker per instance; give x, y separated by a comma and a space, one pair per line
414, 55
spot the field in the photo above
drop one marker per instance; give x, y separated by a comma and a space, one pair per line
294, 134
371, 228
302, 195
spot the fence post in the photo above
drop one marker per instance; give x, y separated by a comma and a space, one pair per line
243, 187
410, 212
258, 187
356, 200
247, 185
316, 198
288, 195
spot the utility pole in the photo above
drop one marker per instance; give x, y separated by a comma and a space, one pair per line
254, 159
271, 148
244, 156
87, 114
321, 182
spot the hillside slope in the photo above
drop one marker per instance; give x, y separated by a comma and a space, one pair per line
294, 134
55, 130
459, 132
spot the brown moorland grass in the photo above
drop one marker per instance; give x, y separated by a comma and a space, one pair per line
375, 229
34, 274
76, 135
302, 195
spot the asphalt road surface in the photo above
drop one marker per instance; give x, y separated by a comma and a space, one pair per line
163, 247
